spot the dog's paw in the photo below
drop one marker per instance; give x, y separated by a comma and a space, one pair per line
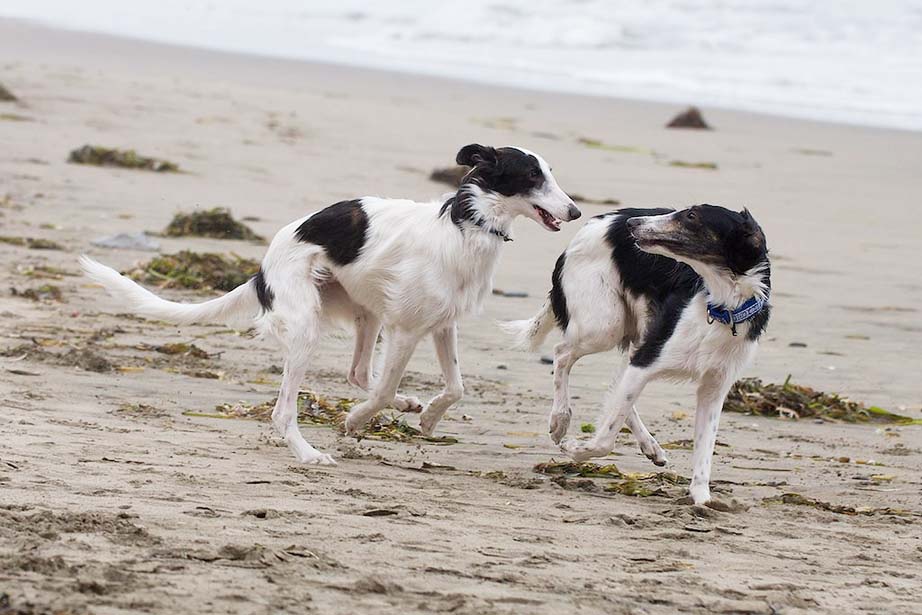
358, 379
318, 459
699, 494
583, 450
654, 452
307, 454
427, 422
407, 404
353, 424
558, 423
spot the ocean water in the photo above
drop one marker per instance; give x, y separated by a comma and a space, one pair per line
851, 61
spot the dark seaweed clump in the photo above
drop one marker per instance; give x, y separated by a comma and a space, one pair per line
196, 271
126, 159
690, 118
752, 396
449, 175
315, 409
6, 95
217, 223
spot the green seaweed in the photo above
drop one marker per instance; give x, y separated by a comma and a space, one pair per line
98, 156
752, 396
314, 409
43, 293
32, 243
710, 166
574, 476
178, 348
584, 469
216, 222
627, 149
797, 499
197, 271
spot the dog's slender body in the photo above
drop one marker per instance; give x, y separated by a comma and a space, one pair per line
643, 280
411, 269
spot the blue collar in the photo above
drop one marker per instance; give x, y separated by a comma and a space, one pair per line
747, 311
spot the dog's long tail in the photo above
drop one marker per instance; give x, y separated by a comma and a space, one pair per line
238, 308
529, 334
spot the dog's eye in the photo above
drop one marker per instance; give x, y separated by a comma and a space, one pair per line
690, 215
534, 174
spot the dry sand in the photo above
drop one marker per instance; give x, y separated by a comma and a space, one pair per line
109, 511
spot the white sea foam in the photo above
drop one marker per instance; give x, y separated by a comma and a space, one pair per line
851, 61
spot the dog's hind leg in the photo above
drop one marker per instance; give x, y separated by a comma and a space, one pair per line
300, 342
399, 348
648, 444
361, 374
618, 405
565, 356
446, 348
295, 321
367, 328
591, 339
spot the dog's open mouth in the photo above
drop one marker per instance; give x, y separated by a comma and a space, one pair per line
550, 222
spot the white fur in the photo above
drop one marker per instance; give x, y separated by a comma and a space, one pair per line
417, 274
602, 313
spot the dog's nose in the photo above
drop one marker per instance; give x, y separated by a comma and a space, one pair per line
574, 212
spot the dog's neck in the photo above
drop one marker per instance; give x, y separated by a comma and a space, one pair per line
476, 212
732, 290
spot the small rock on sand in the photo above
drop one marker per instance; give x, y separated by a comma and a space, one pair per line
6, 95
127, 241
690, 118
449, 175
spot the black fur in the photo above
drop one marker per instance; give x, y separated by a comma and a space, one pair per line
725, 238
341, 229
557, 296
263, 292
506, 171
667, 285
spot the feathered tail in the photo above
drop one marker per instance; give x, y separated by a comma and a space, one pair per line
237, 309
529, 334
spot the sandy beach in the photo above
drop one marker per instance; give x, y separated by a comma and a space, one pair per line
115, 497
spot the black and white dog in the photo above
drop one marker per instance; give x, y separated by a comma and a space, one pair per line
686, 291
410, 268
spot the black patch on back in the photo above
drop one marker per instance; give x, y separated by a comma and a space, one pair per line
341, 229
263, 292
557, 297
666, 284
665, 317
651, 276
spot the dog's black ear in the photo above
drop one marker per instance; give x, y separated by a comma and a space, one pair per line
752, 232
474, 154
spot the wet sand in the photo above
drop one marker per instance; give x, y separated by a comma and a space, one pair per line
115, 497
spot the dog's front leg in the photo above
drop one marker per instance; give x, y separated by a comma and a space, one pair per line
712, 390
399, 349
619, 401
446, 348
